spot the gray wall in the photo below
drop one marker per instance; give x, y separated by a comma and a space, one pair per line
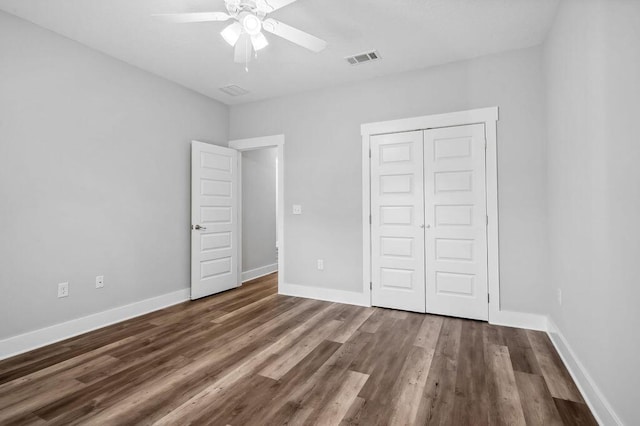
259, 208
94, 178
593, 65
323, 164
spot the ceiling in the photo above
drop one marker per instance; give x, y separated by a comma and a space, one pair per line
409, 35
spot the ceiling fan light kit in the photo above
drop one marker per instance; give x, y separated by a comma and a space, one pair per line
245, 34
231, 33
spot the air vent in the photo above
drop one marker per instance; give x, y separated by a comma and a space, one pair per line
234, 90
363, 57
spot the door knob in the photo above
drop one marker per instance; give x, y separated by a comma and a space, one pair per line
425, 226
198, 227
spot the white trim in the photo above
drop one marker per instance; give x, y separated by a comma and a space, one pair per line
520, 320
366, 217
257, 143
493, 228
488, 117
593, 396
35, 339
321, 293
251, 144
473, 116
252, 274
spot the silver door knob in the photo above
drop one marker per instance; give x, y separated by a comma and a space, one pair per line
425, 226
198, 227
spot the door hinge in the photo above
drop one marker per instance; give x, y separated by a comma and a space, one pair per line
488, 298
370, 222
370, 285
487, 220
485, 144
369, 152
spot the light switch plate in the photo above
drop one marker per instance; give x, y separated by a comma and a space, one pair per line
297, 209
100, 281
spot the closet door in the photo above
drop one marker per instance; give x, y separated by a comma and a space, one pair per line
456, 222
397, 227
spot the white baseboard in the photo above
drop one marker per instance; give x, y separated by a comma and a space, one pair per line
505, 318
519, 320
35, 339
252, 274
328, 294
597, 402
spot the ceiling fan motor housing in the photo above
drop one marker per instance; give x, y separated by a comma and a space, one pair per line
258, 8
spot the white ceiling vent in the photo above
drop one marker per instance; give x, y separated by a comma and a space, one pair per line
234, 90
363, 57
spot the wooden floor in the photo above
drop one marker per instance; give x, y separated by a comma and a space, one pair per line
252, 357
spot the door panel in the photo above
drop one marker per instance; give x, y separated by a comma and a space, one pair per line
455, 218
397, 238
214, 209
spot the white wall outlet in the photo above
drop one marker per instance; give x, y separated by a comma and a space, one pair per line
297, 209
560, 296
63, 289
100, 281
320, 265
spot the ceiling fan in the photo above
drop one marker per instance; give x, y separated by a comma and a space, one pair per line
250, 18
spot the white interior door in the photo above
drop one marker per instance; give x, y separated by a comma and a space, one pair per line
456, 221
397, 234
214, 219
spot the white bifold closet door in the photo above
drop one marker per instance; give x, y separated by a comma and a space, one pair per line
428, 231
397, 214
456, 218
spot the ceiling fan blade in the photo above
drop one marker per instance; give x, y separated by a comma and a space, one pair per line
186, 18
294, 35
243, 50
277, 4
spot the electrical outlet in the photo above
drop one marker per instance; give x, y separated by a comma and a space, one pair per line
320, 265
297, 209
63, 289
560, 296
100, 281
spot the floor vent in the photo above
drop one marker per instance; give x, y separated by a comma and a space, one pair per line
234, 90
363, 57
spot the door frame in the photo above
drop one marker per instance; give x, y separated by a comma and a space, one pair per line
488, 117
251, 144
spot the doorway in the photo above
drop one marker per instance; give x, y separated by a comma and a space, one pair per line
217, 214
259, 211
262, 155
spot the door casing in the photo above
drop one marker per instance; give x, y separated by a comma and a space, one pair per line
488, 117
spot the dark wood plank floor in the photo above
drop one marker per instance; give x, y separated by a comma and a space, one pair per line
252, 357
